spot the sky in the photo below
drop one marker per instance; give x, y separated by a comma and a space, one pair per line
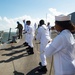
12, 11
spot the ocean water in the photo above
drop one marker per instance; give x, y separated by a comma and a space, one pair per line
7, 36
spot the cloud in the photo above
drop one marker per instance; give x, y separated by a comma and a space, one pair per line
7, 23
51, 15
54, 12
0, 18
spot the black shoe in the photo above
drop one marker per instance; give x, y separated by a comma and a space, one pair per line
30, 53
40, 64
43, 69
30, 50
25, 44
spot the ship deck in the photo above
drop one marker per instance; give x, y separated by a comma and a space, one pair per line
14, 60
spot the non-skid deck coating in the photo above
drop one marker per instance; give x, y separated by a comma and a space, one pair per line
14, 60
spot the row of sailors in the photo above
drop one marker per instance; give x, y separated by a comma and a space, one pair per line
42, 36
29, 36
62, 47
29, 31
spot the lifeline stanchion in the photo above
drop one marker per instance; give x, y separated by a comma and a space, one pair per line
13, 65
15, 71
9, 34
12, 60
51, 66
37, 46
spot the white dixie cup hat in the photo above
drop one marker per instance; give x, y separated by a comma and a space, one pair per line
63, 18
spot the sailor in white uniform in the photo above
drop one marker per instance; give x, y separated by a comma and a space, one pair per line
30, 37
44, 38
25, 32
62, 46
49, 27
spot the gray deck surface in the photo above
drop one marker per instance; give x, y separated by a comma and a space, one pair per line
14, 60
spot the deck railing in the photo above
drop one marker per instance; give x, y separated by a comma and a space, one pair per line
6, 35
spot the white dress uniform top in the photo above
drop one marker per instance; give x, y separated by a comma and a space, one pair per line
30, 35
44, 38
61, 48
26, 28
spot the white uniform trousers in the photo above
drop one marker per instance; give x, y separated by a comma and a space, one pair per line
42, 55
